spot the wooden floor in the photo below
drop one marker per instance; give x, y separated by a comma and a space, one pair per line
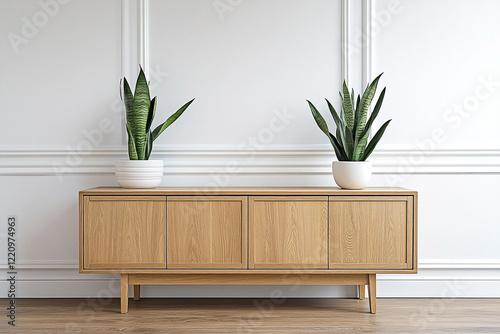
254, 316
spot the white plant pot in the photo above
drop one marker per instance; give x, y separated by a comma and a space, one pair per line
352, 174
139, 173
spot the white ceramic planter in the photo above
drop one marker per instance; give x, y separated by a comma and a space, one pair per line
139, 173
352, 174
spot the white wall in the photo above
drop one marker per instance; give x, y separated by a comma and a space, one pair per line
251, 65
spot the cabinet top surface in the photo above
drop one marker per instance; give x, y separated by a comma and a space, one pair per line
248, 191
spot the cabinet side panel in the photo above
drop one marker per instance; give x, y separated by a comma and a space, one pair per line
81, 210
412, 233
122, 232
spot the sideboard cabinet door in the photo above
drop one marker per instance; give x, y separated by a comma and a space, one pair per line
206, 232
288, 232
124, 232
371, 232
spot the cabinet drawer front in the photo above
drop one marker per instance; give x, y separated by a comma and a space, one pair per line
371, 232
124, 232
206, 232
288, 232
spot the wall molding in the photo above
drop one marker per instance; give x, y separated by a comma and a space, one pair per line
453, 279
345, 39
143, 34
304, 160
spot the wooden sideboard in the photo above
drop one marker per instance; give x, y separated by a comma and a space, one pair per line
248, 236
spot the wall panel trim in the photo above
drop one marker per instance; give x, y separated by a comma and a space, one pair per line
302, 160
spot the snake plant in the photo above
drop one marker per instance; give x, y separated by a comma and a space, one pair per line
350, 141
140, 112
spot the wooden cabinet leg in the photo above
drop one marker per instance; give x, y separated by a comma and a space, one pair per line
124, 293
361, 291
372, 292
137, 292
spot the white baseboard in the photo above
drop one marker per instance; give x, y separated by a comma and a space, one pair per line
481, 281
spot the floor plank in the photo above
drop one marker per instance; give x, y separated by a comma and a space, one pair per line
254, 316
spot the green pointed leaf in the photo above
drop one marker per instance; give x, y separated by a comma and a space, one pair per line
375, 140
339, 150
348, 108
338, 122
360, 144
151, 113
129, 98
356, 112
335, 116
348, 142
320, 121
323, 126
132, 152
339, 135
160, 128
359, 148
149, 145
374, 113
352, 123
362, 111
137, 117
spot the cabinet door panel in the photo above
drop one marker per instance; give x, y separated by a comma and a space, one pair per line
206, 232
371, 232
288, 232
124, 232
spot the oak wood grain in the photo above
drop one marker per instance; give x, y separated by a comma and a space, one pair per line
288, 232
206, 232
242, 279
124, 232
124, 293
371, 232
275, 314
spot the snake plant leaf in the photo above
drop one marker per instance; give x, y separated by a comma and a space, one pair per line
339, 150
149, 145
348, 142
365, 102
129, 98
151, 114
352, 123
348, 109
354, 109
139, 115
320, 121
160, 128
334, 113
358, 100
132, 151
371, 146
338, 122
339, 135
359, 148
374, 113
360, 145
